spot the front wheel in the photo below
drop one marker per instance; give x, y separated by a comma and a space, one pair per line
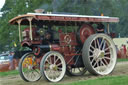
53, 66
99, 54
29, 68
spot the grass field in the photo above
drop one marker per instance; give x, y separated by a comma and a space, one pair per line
122, 60
13, 72
107, 80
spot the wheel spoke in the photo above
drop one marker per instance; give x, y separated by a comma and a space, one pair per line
103, 62
91, 56
56, 60
101, 42
98, 63
37, 71
56, 74
79, 69
107, 53
107, 58
98, 43
107, 48
26, 72
31, 74
59, 68
95, 43
34, 75
48, 61
48, 72
98, 66
92, 60
95, 64
92, 47
90, 51
106, 62
59, 64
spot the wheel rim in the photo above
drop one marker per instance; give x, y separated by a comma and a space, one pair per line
102, 54
30, 68
54, 67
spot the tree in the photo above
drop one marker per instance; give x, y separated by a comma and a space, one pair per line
113, 8
12, 8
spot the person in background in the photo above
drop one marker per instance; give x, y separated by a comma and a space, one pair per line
125, 50
11, 67
116, 48
100, 28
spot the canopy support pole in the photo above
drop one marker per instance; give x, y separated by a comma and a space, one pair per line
19, 24
108, 30
30, 23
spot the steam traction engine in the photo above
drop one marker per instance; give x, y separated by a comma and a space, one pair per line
65, 44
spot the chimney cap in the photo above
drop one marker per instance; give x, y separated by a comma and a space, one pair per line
39, 10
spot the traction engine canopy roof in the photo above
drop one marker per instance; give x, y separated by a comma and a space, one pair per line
60, 19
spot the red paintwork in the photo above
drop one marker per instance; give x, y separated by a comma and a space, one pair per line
67, 42
36, 50
67, 45
55, 47
4, 67
67, 39
85, 31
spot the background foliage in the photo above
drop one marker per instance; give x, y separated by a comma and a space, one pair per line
12, 8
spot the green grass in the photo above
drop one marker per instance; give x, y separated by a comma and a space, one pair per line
107, 80
13, 72
121, 60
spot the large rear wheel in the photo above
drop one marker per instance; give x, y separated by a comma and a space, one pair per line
29, 68
99, 54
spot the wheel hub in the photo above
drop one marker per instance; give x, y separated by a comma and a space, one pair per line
53, 67
97, 53
101, 54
